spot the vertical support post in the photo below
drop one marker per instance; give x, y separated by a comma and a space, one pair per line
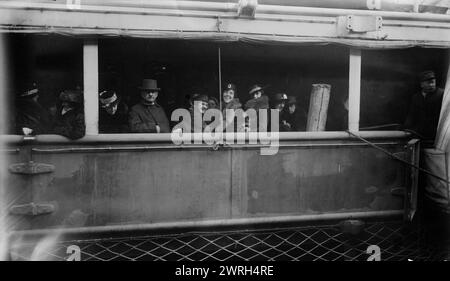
220, 78
354, 89
442, 140
90, 77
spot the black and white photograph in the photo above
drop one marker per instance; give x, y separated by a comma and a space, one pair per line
225, 136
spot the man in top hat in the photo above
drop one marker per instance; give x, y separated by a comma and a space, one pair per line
148, 116
113, 116
423, 115
293, 116
69, 121
231, 102
32, 118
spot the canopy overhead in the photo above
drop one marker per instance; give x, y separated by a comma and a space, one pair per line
228, 21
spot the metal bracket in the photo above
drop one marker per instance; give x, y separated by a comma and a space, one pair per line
359, 26
31, 168
32, 209
364, 23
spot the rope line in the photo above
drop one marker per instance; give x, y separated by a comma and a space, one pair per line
399, 159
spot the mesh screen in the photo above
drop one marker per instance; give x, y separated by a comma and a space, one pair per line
397, 242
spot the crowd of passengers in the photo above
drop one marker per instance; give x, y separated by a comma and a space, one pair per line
148, 116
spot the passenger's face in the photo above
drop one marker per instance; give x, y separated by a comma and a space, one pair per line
149, 95
110, 108
201, 106
212, 104
257, 94
291, 108
279, 106
228, 96
428, 86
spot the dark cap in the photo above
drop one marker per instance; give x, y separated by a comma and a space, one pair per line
427, 75
199, 97
74, 96
292, 100
281, 97
230, 86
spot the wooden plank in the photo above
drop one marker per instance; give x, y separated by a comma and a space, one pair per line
354, 89
318, 107
90, 74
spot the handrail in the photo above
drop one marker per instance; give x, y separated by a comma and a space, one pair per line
213, 223
166, 138
219, 7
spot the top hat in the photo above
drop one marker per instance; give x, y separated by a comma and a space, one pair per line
291, 100
73, 96
149, 84
230, 86
29, 91
107, 97
281, 97
255, 88
427, 75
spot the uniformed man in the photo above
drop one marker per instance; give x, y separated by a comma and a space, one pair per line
148, 116
32, 118
423, 115
113, 116
70, 117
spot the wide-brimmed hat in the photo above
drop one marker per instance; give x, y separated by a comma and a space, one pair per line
291, 100
74, 96
107, 97
255, 88
30, 90
149, 84
281, 97
427, 75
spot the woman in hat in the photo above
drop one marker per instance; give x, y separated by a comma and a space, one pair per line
258, 102
113, 113
231, 102
258, 99
148, 116
32, 118
294, 117
70, 118
279, 102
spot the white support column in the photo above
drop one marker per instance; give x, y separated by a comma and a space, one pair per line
354, 89
90, 76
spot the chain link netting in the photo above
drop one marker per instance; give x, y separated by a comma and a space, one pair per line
397, 242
